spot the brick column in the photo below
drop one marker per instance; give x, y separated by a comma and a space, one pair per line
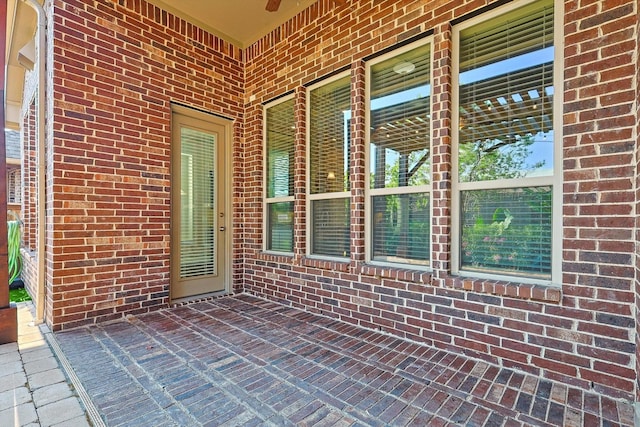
441, 158
357, 165
300, 176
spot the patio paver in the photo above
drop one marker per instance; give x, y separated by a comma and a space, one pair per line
33, 388
245, 361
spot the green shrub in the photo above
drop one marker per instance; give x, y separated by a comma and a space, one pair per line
19, 295
504, 244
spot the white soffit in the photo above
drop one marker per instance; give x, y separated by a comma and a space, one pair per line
241, 22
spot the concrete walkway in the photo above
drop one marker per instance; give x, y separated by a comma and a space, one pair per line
34, 390
243, 361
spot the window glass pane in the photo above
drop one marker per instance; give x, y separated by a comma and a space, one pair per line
401, 228
280, 146
330, 117
197, 203
280, 227
399, 119
330, 225
14, 186
506, 96
507, 231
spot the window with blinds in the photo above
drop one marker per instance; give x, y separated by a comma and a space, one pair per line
508, 230
14, 186
197, 203
329, 118
506, 142
400, 155
280, 139
505, 99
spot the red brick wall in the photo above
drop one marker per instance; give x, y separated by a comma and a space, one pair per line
116, 68
28, 207
29, 138
599, 191
581, 334
637, 224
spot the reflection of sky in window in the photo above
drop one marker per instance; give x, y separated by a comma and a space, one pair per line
401, 97
542, 147
507, 66
398, 98
541, 151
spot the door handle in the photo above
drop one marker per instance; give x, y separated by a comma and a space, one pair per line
222, 228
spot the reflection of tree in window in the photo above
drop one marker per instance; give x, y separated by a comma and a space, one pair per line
508, 230
399, 151
506, 97
329, 183
505, 135
280, 135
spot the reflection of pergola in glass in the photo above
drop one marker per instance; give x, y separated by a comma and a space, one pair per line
508, 107
404, 129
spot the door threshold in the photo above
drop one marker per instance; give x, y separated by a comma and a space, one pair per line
198, 298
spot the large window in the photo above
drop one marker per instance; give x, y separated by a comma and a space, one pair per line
504, 156
400, 156
280, 138
329, 118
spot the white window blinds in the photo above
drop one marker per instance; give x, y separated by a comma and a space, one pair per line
506, 138
506, 96
329, 184
197, 207
280, 140
400, 157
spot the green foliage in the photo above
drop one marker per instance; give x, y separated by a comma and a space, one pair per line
418, 173
13, 246
495, 159
504, 244
492, 239
19, 295
403, 221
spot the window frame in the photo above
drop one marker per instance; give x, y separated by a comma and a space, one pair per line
265, 188
370, 192
310, 197
554, 181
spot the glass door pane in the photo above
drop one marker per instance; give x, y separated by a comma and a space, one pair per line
198, 203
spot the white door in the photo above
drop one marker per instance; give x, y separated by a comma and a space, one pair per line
198, 199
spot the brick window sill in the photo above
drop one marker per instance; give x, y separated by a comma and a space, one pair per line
319, 263
396, 273
507, 289
534, 292
275, 257
324, 264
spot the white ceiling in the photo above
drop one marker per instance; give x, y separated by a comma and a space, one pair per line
241, 22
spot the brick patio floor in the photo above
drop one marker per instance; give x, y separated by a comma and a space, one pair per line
245, 361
